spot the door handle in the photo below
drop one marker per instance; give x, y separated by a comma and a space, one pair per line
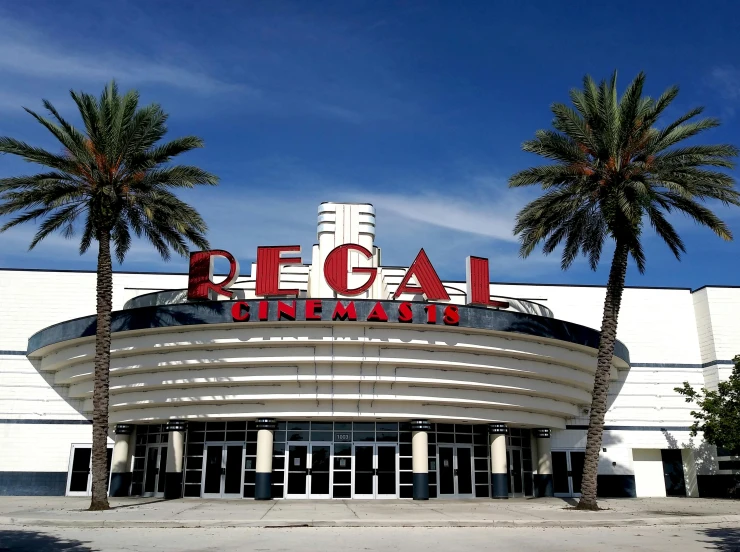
375, 471
308, 471
455, 471
223, 471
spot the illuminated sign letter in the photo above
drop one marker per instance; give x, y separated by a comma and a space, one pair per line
344, 313
269, 261
405, 314
377, 314
201, 286
479, 290
335, 269
429, 283
240, 311
313, 309
286, 311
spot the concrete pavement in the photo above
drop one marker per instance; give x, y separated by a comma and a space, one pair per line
193, 513
692, 538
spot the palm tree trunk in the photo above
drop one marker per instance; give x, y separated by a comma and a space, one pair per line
102, 376
612, 302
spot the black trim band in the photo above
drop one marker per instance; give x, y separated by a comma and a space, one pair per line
124, 429
46, 422
543, 484
679, 365
541, 433
634, 428
500, 485
498, 429
9, 352
220, 312
420, 425
176, 425
421, 486
262, 486
172, 485
120, 484
266, 423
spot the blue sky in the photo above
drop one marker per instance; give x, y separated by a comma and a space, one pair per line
419, 107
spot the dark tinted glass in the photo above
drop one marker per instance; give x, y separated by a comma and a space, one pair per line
342, 477
321, 426
464, 472
343, 450
342, 491
212, 483
386, 426
162, 469
560, 472
363, 426
233, 479
150, 479
81, 459
322, 436
294, 435
446, 471
576, 465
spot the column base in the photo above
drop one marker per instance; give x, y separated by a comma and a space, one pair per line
120, 484
262, 486
421, 486
172, 485
543, 485
499, 485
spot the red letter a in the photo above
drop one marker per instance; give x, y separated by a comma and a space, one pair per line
429, 283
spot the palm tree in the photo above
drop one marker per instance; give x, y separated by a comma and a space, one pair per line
613, 174
107, 182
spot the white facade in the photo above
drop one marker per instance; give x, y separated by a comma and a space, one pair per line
359, 371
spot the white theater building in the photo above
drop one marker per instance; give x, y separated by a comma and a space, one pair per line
324, 374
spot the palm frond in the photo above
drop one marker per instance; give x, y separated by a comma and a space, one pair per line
112, 180
613, 170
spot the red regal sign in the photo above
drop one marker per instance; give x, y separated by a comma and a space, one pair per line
201, 286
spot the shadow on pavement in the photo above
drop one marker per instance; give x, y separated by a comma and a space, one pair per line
725, 539
137, 504
34, 541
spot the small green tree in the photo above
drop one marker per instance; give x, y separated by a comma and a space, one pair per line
718, 417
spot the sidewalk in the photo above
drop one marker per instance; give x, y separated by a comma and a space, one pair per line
190, 513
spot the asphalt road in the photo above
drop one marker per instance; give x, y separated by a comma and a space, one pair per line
670, 538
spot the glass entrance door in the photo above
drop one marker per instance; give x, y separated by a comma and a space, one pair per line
319, 478
516, 485
567, 470
455, 471
309, 470
223, 464
375, 471
156, 467
79, 479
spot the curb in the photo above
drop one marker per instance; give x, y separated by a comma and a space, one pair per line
193, 524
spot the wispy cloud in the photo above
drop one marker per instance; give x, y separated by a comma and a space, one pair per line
726, 80
32, 54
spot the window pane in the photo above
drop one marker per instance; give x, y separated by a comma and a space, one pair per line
321, 426
363, 426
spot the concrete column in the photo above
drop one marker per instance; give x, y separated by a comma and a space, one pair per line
263, 475
120, 476
499, 470
175, 451
543, 478
420, 458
